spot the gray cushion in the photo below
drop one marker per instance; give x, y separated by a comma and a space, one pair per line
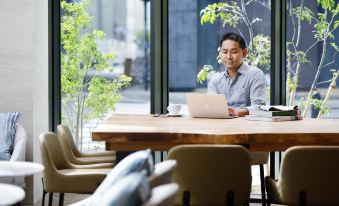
131, 190
7, 133
135, 162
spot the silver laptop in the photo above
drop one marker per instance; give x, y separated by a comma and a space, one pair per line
207, 105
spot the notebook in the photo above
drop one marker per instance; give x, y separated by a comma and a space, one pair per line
207, 105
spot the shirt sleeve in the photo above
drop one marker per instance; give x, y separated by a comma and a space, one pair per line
257, 90
212, 86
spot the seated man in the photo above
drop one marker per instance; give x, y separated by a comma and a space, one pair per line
244, 86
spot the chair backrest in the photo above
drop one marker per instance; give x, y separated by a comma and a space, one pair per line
212, 174
313, 171
19, 148
52, 152
67, 141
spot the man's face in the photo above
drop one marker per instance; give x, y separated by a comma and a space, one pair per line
231, 54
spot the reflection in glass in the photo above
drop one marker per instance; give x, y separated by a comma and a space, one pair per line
312, 64
195, 28
105, 63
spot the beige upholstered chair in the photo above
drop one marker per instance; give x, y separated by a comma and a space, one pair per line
61, 176
77, 157
309, 176
260, 158
212, 174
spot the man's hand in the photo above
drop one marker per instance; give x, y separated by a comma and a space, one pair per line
237, 112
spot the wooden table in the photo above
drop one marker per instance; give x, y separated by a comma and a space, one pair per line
134, 132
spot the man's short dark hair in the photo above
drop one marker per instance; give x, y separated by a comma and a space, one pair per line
235, 37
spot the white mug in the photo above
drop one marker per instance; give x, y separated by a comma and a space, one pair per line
174, 109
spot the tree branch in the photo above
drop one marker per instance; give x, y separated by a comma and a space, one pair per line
331, 61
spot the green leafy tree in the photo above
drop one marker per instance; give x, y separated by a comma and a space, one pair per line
233, 14
84, 98
323, 109
325, 25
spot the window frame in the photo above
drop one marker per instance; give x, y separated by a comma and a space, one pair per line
54, 64
159, 60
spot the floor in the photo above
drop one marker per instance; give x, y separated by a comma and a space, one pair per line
69, 198
72, 198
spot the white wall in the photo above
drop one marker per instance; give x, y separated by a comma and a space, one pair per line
23, 73
40, 82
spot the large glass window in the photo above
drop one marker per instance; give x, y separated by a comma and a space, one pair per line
110, 38
105, 65
312, 61
195, 28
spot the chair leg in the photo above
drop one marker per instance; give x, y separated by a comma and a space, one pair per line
43, 198
186, 198
262, 184
302, 199
50, 199
43, 193
61, 199
229, 198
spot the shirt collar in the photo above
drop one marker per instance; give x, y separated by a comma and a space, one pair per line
241, 70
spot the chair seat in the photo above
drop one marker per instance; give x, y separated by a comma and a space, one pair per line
75, 180
70, 172
96, 166
102, 159
98, 154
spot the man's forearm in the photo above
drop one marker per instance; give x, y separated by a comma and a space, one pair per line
237, 112
241, 112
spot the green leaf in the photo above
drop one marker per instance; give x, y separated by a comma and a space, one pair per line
336, 23
302, 13
326, 4
83, 97
228, 13
334, 46
259, 54
202, 75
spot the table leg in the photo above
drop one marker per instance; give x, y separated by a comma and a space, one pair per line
272, 164
121, 155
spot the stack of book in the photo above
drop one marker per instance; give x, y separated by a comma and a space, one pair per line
274, 113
